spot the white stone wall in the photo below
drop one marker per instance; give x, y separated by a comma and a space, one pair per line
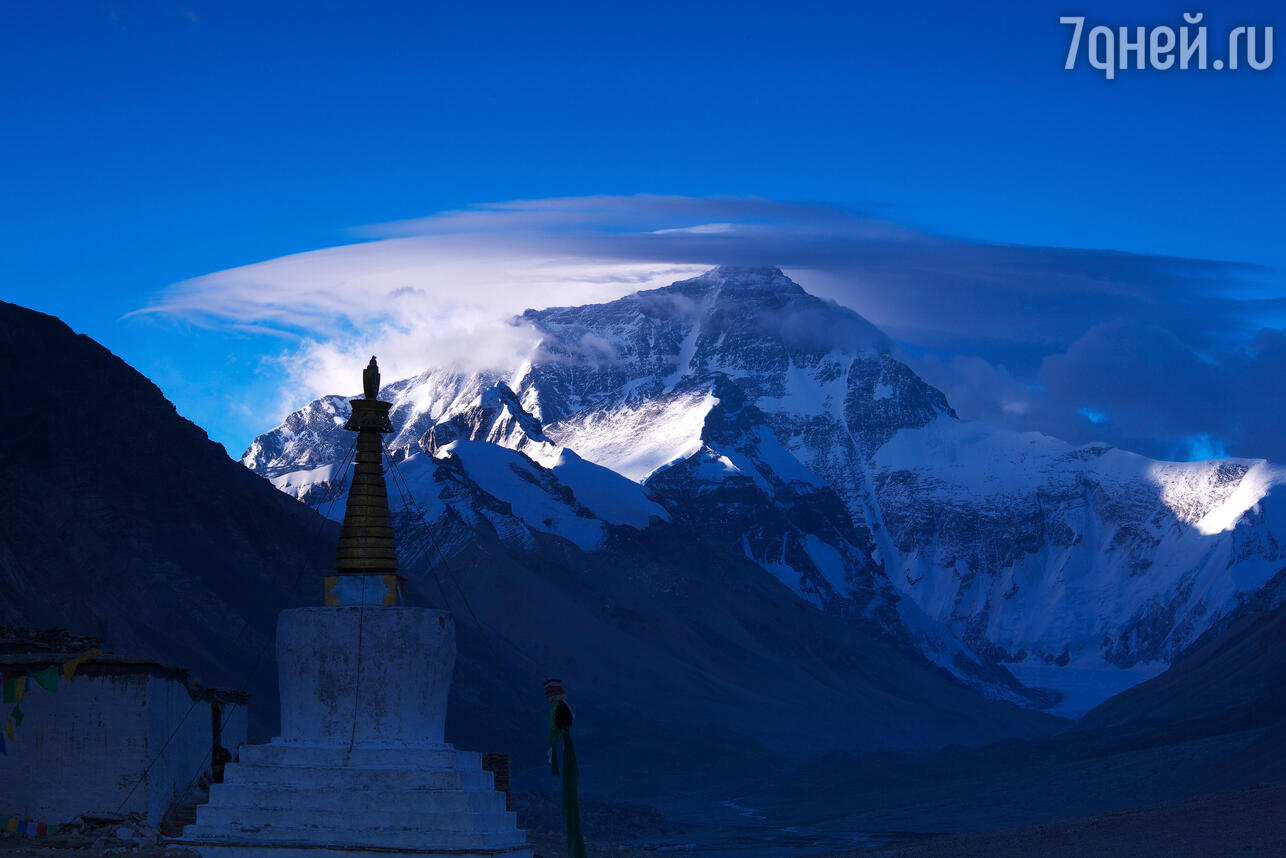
177, 765
75, 748
85, 747
369, 676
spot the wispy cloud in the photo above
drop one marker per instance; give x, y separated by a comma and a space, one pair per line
416, 301
1029, 337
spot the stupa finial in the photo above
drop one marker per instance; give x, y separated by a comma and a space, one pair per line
371, 379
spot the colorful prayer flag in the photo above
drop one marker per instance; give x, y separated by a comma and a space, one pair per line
17, 715
12, 826
15, 687
69, 669
48, 678
8, 729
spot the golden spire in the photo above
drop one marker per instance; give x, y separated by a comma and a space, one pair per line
366, 545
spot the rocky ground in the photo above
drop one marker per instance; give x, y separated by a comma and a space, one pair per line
540, 813
545, 845
61, 847
555, 846
606, 825
99, 834
1247, 822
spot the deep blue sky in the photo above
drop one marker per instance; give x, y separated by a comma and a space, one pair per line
147, 143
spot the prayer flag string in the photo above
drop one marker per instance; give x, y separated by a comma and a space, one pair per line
15, 691
31, 829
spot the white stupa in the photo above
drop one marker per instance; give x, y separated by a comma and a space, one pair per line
361, 766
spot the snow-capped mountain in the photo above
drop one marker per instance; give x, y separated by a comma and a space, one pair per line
315, 436
786, 427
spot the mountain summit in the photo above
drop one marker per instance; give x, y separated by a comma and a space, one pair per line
746, 278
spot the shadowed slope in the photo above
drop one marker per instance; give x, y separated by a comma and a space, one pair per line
122, 520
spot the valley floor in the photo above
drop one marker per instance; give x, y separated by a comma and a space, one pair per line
1247, 822
543, 845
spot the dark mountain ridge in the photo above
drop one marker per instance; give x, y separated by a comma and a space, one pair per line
121, 519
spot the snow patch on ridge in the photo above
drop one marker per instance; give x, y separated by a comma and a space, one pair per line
804, 393
635, 440
305, 485
605, 493
688, 349
514, 478
1213, 496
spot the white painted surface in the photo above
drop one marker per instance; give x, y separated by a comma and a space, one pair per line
370, 675
85, 747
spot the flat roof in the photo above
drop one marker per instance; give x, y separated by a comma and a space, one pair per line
112, 664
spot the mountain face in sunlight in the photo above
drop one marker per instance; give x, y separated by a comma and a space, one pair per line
786, 429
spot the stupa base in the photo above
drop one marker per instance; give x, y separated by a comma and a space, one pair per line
284, 800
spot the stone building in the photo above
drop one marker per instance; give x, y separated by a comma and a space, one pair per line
104, 733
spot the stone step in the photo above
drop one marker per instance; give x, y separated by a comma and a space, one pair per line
328, 798
346, 839
413, 757
348, 778
396, 819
